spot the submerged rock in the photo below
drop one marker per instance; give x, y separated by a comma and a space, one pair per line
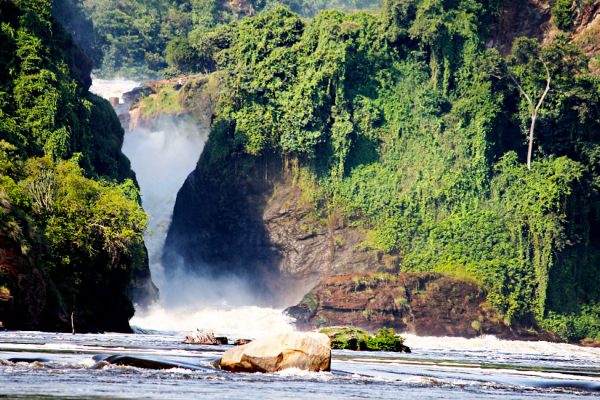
306, 351
28, 360
589, 342
221, 340
205, 337
346, 337
143, 362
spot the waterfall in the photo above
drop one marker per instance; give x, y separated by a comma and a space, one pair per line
162, 157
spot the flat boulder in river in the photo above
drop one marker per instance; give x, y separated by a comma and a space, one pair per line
306, 351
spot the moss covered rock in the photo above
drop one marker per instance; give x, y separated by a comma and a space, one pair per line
351, 338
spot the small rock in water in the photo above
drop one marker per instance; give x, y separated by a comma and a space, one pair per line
100, 365
352, 338
306, 351
241, 342
221, 340
31, 360
204, 337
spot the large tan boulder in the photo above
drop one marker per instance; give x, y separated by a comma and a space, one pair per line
307, 351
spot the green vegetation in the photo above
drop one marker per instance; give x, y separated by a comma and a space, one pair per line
67, 204
417, 133
141, 38
386, 340
401, 122
164, 102
563, 14
351, 338
584, 324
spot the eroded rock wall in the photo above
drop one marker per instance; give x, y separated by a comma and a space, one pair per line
421, 303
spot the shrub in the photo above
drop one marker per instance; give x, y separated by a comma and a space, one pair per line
386, 340
563, 14
351, 338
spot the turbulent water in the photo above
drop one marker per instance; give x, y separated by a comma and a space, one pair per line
438, 368
162, 158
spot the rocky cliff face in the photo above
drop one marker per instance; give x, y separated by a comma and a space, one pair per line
530, 18
260, 227
424, 304
248, 217
534, 18
24, 295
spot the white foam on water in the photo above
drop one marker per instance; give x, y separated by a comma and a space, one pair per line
240, 322
504, 351
304, 374
112, 88
494, 345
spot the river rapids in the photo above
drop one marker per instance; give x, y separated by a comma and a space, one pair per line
39, 365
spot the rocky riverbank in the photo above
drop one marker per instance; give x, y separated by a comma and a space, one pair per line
425, 304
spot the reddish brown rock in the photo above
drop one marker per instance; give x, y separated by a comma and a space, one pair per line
23, 289
425, 304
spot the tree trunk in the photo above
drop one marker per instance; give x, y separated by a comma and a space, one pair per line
534, 110
530, 149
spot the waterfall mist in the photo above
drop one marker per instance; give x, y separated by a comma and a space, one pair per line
162, 155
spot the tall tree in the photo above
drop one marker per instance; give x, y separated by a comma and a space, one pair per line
525, 64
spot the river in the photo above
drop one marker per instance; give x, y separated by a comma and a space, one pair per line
438, 368
38, 365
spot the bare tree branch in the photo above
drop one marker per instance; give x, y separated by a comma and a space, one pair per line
539, 104
521, 90
534, 110
534, 114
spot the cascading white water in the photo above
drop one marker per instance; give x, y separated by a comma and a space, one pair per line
162, 158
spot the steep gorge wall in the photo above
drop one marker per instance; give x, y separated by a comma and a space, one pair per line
259, 226
253, 222
249, 216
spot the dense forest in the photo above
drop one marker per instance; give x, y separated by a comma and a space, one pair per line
150, 38
71, 223
403, 120
409, 127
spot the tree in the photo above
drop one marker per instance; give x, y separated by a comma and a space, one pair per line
534, 110
525, 62
181, 55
